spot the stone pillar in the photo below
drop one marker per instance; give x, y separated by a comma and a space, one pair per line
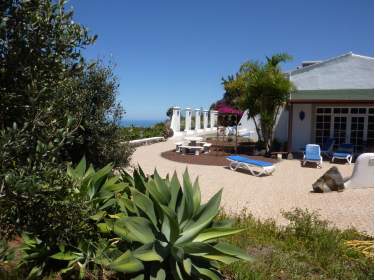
187, 119
197, 119
213, 120
176, 116
205, 119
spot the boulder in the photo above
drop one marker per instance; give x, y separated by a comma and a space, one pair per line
330, 181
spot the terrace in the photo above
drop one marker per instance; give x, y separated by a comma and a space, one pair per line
289, 187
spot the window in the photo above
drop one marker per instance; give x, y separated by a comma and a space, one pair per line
346, 125
323, 125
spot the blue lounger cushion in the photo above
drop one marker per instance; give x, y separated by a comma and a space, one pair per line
341, 154
250, 161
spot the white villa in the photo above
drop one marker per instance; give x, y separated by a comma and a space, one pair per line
334, 98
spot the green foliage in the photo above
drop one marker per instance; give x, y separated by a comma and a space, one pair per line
307, 248
54, 106
263, 89
133, 132
135, 226
170, 231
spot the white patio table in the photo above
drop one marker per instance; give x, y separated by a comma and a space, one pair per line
193, 140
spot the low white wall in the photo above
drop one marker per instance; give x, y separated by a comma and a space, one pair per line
301, 128
146, 141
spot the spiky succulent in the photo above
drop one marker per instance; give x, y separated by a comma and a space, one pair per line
158, 229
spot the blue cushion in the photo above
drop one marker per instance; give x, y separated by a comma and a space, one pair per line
312, 152
250, 161
341, 154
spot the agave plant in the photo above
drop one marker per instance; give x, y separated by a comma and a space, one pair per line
169, 232
155, 228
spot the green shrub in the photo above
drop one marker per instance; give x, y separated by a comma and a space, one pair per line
54, 92
136, 227
307, 248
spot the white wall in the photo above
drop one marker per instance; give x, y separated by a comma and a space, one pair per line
281, 128
301, 128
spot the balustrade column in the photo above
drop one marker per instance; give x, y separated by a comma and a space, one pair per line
197, 119
187, 119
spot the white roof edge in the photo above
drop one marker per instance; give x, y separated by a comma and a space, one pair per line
306, 68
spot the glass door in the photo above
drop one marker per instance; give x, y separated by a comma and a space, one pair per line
357, 131
339, 130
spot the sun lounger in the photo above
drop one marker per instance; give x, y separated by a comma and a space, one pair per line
344, 151
328, 147
243, 162
312, 154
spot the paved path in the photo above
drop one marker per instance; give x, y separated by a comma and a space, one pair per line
265, 197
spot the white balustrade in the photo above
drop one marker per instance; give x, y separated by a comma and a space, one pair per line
209, 121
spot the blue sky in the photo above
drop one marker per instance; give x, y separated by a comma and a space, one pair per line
170, 52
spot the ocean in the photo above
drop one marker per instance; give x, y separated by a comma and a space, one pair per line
139, 123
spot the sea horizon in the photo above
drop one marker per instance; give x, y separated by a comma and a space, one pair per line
138, 123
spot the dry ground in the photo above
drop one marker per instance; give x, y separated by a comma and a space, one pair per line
289, 187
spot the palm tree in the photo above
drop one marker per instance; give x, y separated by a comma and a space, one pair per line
263, 89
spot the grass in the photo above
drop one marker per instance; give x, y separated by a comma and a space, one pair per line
308, 248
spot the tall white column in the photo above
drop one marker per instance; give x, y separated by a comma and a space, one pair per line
205, 119
197, 119
187, 119
176, 117
214, 116
212, 119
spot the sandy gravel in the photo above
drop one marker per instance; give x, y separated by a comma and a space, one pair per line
265, 197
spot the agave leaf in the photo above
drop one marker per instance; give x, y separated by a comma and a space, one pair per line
80, 168
154, 192
196, 196
188, 196
208, 213
147, 253
175, 270
160, 275
187, 266
126, 177
139, 182
171, 224
162, 187
199, 248
135, 229
233, 251
127, 263
175, 190
221, 258
141, 173
145, 204
207, 273
66, 256
214, 233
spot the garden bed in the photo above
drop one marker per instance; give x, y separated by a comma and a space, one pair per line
212, 158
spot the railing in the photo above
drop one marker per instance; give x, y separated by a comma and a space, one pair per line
204, 121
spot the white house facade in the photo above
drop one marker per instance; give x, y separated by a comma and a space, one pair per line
333, 98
